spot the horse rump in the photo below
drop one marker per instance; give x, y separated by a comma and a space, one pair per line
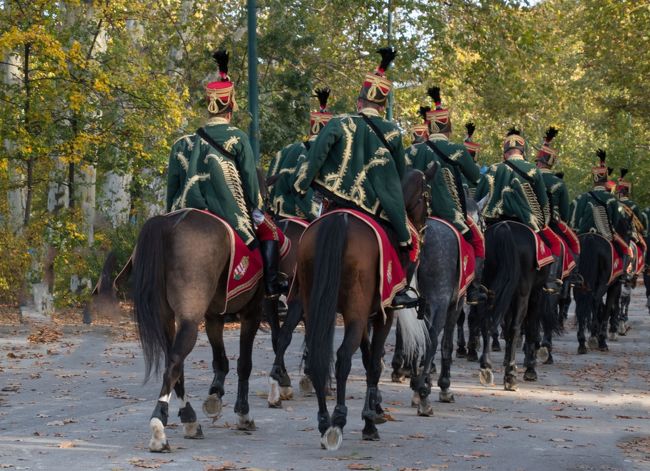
502, 269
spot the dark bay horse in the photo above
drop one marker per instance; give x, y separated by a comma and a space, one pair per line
515, 286
180, 269
338, 272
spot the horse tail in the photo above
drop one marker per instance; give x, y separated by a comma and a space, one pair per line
588, 265
415, 335
149, 289
326, 281
501, 244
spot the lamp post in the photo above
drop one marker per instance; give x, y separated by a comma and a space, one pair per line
253, 96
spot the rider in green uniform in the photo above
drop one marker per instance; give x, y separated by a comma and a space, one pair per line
419, 135
285, 201
447, 193
472, 149
357, 161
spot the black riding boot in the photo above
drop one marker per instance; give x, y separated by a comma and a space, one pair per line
553, 282
273, 286
475, 294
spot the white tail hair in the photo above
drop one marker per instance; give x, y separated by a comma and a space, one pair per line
415, 335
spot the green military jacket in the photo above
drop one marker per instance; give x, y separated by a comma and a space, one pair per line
349, 162
596, 211
284, 200
645, 219
226, 187
638, 227
513, 196
558, 195
447, 192
410, 152
179, 159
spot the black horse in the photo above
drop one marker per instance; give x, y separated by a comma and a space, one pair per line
515, 286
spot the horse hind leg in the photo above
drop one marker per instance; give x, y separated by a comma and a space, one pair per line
249, 325
372, 413
183, 344
279, 381
213, 406
446, 351
461, 350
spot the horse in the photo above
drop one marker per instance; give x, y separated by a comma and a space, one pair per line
338, 271
515, 288
437, 277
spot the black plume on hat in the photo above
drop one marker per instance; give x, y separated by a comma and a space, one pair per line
609, 170
423, 111
550, 134
513, 131
602, 155
623, 172
434, 93
323, 95
560, 175
470, 129
387, 56
221, 57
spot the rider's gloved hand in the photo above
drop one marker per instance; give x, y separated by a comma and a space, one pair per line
258, 217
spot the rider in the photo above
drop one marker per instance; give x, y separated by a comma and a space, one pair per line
221, 177
419, 135
285, 201
597, 211
472, 149
515, 188
558, 198
447, 192
632, 211
358, 161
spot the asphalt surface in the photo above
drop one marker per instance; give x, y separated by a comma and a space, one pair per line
79, 403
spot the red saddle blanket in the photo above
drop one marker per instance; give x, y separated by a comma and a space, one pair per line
570, 246
617, 260
543, 253
466, 259
391, 275
638, 258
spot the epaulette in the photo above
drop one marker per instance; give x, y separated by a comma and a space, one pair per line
191, 136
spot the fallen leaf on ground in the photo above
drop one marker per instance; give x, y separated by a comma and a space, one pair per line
67, 445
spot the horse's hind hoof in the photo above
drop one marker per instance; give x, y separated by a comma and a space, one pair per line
193, 431
246, 423
549, 361
593, 343
213, 406
461, 352
582, 349
510, 384
486, 377
602, 346
530, 375
158, 442
306, 386
397, 377
472, 355
424, 408
622, 329
372, 436
613, 336
496, 346
543, 354
332, 439
446, 397
273, 398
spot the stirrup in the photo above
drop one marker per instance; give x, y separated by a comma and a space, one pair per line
415, 303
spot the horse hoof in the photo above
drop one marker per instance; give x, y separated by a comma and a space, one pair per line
286, 393
306, 387
415, 400
549, 361
461, 352
332, 439
246, 423
193, 431
397, 377
446, 396
602, 346
370, 436
158, 442
212, 406
530, 375
496, 346
424, 408
486, 377
593, 343
543, 354
273, 398
510, 384
472, 355
613, 336
622, 329
582, 349
380, 419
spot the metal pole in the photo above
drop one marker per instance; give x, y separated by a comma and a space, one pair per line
389, 108
253, 96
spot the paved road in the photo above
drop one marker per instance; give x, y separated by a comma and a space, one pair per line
79, 403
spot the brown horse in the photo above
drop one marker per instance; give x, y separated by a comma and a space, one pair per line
338, 272
180, 270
